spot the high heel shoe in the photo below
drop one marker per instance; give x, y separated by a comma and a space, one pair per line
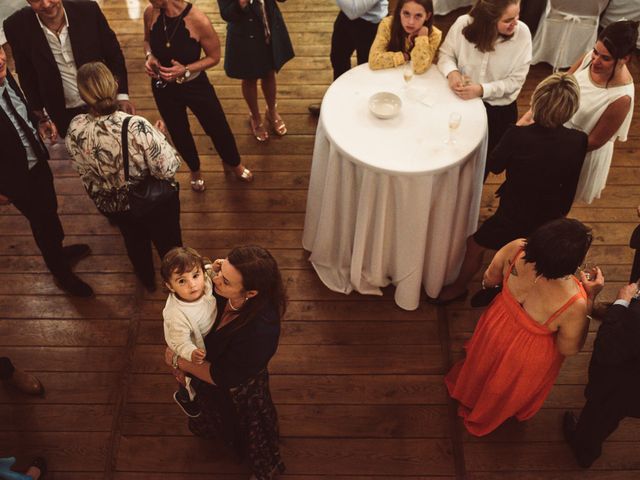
259, 130
246, 176
277, 124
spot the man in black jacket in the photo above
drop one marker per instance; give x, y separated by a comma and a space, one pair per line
50, 40
26, 182
613, 391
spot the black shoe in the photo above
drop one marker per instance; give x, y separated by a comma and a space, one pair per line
72, 284
190, 409
314, 109
75, 252
41, 464
569, 423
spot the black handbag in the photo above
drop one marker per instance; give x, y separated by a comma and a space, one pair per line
150, 193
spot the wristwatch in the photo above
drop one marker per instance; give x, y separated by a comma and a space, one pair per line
187, 72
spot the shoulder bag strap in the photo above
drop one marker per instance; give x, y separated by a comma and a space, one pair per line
125, 146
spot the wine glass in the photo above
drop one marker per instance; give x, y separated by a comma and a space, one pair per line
466, 79
407, 72
589, 270
454, 122
158, 82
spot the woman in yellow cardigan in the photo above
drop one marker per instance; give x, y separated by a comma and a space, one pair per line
409, 35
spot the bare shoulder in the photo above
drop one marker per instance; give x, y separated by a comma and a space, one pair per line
198, 18
150, 13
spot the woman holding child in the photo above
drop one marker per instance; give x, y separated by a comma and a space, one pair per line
232, 383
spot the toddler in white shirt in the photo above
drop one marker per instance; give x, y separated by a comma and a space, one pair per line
189, 313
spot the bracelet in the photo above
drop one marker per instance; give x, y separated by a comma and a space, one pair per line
174, 361
147, 55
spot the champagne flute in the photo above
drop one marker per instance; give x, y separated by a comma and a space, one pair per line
407, 72
454, 122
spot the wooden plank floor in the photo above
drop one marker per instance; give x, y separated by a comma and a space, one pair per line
357, 381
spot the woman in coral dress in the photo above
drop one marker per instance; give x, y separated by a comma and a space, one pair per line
520, 342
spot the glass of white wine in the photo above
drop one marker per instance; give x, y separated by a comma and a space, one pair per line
454, 122
407, 73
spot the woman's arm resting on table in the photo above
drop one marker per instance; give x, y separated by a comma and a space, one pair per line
609, 123
425, 50
202, 371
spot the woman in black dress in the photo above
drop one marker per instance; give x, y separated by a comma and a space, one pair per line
257, 47
542, 162
175, 32
232, 384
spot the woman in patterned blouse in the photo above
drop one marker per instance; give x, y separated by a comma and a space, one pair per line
409, 35
94, 142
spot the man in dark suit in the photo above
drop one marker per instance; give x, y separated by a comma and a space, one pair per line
26, 182
50, 40
613, 391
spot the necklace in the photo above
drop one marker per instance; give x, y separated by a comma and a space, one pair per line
175, 29
232, 307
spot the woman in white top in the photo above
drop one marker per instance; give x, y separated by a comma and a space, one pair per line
606, 102
486, 54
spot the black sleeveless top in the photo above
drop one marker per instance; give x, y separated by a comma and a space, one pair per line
170, 39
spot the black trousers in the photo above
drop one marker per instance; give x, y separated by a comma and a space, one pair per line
499, 117
349, 35
161, 228
600, 418
200, 97
62, 124
40, 206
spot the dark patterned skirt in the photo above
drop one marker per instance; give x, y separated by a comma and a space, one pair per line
245, 419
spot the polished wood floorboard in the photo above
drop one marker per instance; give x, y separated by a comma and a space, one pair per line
358, 383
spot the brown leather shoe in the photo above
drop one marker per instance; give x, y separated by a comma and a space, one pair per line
26, 383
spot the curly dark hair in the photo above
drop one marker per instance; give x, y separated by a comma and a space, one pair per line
557, 248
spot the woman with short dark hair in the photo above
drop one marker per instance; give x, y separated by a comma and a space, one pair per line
520, 342
232, 384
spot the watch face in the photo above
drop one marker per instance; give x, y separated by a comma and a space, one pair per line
187, 74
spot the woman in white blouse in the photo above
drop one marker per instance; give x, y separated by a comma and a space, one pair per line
94, 141
486, 54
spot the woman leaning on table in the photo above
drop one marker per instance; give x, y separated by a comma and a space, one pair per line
232, 384
486, 54
94, 141
257, 47
175, 32
407, 36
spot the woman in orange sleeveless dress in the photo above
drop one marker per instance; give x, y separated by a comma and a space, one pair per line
520, 342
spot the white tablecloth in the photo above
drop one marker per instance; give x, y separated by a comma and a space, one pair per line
389, 201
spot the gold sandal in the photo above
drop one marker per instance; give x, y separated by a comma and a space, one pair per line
277, 124
259, 130
198, 185
246, 176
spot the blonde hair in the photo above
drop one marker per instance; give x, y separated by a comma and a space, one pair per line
555, 100
98, 88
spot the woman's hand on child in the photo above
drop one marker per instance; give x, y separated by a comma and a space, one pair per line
217, 265
198, 356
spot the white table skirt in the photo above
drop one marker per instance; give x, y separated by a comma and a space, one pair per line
367, 228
